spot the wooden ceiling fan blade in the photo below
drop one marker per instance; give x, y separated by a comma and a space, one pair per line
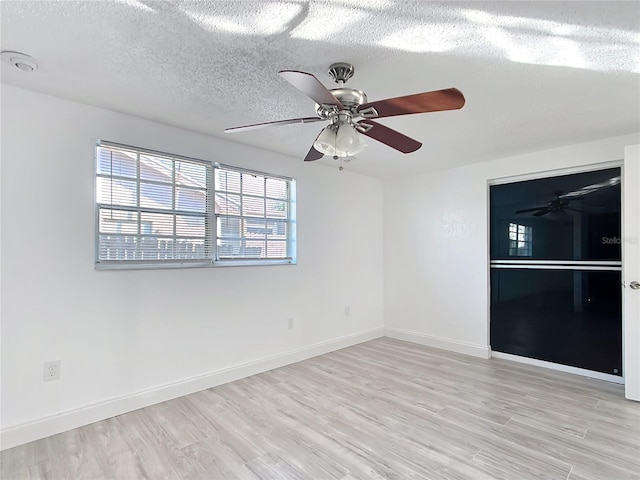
273, 124
436, 101
311, 86
578, 194
388, 136
530, 209
313, 154
542, 212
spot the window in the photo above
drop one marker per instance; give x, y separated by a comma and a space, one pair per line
520, 240
253, 215
155, 209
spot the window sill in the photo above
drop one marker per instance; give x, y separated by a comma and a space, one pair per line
178, 265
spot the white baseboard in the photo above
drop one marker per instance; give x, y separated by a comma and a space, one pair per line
78, 417
475, 350
559, 367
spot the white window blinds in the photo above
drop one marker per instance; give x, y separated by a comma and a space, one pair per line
151, 208
160, 210
254, 215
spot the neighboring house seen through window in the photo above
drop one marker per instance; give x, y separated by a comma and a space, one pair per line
156, 209
252, 215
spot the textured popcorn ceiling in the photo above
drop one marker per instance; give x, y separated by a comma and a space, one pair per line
535, 74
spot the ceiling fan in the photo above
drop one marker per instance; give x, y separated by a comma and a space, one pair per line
350, 114
560, 204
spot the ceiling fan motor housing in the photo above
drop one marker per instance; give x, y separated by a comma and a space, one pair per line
350, 98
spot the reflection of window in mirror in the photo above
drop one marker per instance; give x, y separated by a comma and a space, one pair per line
520, 240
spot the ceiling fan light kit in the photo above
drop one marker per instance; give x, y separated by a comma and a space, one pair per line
348, 141
340, 139
343, 107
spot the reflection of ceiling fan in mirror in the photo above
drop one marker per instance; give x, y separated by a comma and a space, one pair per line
560, 204
350, 114
557, 205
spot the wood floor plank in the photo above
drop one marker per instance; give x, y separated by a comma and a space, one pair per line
384, 409
513, 463
596, 459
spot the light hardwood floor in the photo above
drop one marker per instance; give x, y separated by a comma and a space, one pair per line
381, 409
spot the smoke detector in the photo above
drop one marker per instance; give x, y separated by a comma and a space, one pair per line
21, 61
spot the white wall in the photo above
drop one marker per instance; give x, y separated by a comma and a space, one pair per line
436, 244
132, 338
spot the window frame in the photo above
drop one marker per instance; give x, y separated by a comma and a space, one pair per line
290, 221
521, 245
211, 218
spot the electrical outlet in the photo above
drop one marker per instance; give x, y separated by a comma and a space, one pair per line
290, 324
51, 371
347, 311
